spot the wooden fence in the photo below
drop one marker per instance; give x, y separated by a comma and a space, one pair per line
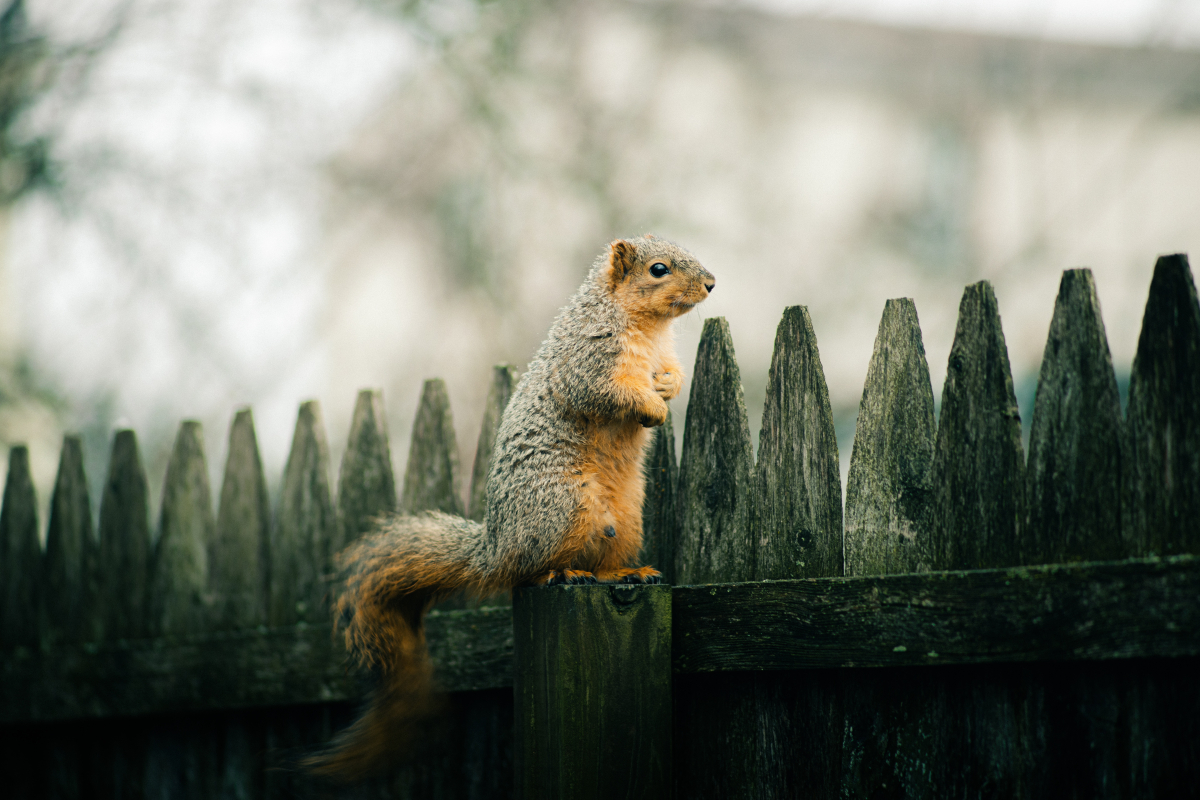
199, 662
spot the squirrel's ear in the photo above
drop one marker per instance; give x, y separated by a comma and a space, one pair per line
620, 260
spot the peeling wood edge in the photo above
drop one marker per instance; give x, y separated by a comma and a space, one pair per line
1139, 608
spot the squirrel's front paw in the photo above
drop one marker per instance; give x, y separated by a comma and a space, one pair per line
668, 385
653, 415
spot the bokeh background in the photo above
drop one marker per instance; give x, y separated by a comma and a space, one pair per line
206, 204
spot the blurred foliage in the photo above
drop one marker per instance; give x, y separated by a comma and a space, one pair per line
24, 73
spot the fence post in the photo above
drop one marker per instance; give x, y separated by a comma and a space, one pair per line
431, 476
304, 537
796, 524
1162, 481
1073, 490
239, 555
504, 383
179, 575
124, 542
978, 463
660, 516
716, 720
20, 555
888, 489
366, 485
592, 688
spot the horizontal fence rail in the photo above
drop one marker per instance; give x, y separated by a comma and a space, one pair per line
1141, 608
952, 549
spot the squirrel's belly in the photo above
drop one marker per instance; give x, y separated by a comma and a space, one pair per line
610, 489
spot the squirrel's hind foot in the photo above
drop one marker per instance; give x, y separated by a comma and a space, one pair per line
626, 575
567, 577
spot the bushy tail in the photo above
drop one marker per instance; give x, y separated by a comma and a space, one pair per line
392, 577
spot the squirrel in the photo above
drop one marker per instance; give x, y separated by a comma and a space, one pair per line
564, 490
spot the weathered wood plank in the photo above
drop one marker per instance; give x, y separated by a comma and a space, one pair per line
592, 691
304, 538
366, 486
431, 477
1103, 610
979, 465
239, 555
888, 491
660, 516
21, 554
71, 553
1074, 470
796, 529
179, 573
716, 719
293, 665
124, 542
504, 383
715, 468
796, 521
1162, 481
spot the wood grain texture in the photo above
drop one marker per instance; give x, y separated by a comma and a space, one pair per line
504, 381
715, 468
366, 485
71, 553
888, 491
21, 554
796, 521
1102, 610
432, 480
239, 552
304, 536
592, 691
124, 543
179, 572
293, 665
1005, 730
979, 465
1074, 470
1162, 481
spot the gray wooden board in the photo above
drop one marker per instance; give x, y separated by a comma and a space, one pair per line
1123, 609
20, 554
978, 468
277, 666
888, 490
660, 517
1074, 471
797, 511
69, 589
1161, 501
124, 548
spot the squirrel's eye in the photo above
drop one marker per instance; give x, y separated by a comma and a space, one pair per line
659, 269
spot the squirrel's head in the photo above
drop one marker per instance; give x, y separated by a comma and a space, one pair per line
650, 277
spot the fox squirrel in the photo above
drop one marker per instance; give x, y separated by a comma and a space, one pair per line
564, 491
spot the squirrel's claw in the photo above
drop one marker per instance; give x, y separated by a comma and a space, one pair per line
641, 575
668, 385
568, 577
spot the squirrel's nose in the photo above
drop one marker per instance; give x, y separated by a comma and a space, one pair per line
710, 286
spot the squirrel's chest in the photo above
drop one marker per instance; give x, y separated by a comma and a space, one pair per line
644, 351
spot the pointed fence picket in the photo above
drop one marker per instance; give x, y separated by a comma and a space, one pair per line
201, 661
